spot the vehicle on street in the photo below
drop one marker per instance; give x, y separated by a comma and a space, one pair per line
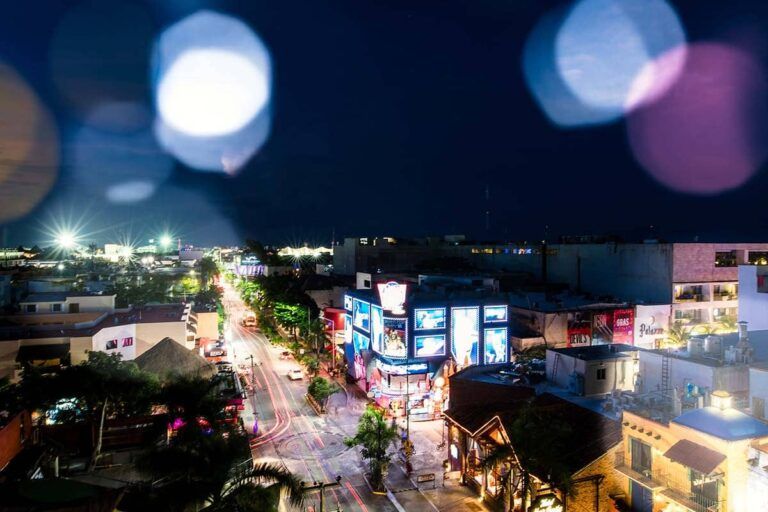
249, 320
296, 374
285, 355
224, 366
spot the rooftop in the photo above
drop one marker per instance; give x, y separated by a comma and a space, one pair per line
59, 296
597, 352
728, 424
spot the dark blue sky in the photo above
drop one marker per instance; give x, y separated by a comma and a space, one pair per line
390, 117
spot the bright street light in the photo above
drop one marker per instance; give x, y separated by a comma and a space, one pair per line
60, 266
165, 241
65, 240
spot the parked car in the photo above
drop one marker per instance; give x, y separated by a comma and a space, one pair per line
285, 355
296, 374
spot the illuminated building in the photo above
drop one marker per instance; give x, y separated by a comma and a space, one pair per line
705, 459
485, 404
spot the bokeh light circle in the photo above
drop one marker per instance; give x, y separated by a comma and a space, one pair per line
707, 134
208, 92
30, 147
213, 81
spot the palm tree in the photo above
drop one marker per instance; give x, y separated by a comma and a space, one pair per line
728, 323
375, 437
678, 334
258, 489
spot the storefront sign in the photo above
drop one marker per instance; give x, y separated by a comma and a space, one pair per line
392, 296
579, 328
546, 503
401, 369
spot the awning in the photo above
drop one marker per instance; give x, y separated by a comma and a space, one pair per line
695, 456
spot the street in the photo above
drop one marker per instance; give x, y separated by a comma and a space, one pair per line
312, 446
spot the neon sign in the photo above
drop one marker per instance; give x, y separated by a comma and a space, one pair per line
546, 503
392, 296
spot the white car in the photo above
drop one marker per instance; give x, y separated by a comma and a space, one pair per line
295, 374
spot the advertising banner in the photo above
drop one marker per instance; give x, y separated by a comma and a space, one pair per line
433, 318
430, 345
624, 326
495, 345
361, 314
377, 328
579, 328
493, 314
360, 341
394, 338
602, 327
392, 296
651, 325
465, 335
348, 329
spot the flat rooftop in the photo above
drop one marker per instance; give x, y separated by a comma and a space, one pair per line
143, 315
60, 296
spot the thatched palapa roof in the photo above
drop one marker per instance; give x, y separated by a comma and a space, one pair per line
168, 357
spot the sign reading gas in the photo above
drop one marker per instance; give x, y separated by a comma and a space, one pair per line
546, 503
392, 296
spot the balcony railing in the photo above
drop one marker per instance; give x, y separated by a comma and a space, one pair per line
672, 489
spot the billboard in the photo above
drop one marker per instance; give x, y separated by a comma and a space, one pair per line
492, 314
377, 327
432, 318
579, 328
347, 328
348, 303
361, 314
624, 326
602, 327
360, 341
429, 345
495, 345
392, 296
465, 335
651, 325
394, 339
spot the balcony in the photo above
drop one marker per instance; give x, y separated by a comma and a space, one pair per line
660, 482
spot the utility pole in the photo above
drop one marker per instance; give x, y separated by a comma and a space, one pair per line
320, 486
253, 372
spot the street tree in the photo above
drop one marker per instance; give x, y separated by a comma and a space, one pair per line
375, 436
321, 390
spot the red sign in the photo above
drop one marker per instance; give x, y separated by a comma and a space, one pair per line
624, 326
579, 329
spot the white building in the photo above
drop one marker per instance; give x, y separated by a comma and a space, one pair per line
67, 302
753, 296
593, 370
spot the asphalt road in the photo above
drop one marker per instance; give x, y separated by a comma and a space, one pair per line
291, 433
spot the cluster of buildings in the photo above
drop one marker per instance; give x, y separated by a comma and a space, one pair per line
653, 355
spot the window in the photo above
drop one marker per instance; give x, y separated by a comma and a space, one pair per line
74, 308
725, 259
111, 344
758, 258
601, 374
56, 308
30, 308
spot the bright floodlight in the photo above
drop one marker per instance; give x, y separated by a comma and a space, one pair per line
209, 92
65, 240
60, 266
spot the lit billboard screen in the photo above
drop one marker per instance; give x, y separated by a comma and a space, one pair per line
348, 303
427, 346
496, 345
495, 314
360, 341
433, 318
347, 328
361, 315
377, 328
465, 335
394, 338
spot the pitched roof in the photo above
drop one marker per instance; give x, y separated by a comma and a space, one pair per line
695, 456
595, 434
168, 357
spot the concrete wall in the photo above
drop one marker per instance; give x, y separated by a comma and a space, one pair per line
633, 272
696, 262
731, 378
552, 326
758, 388
753, 305
619, 373
122, 339
583, 497
208, 324
148, 334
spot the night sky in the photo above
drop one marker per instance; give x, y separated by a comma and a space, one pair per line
390, 117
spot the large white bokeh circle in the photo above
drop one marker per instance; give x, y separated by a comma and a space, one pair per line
211, 92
